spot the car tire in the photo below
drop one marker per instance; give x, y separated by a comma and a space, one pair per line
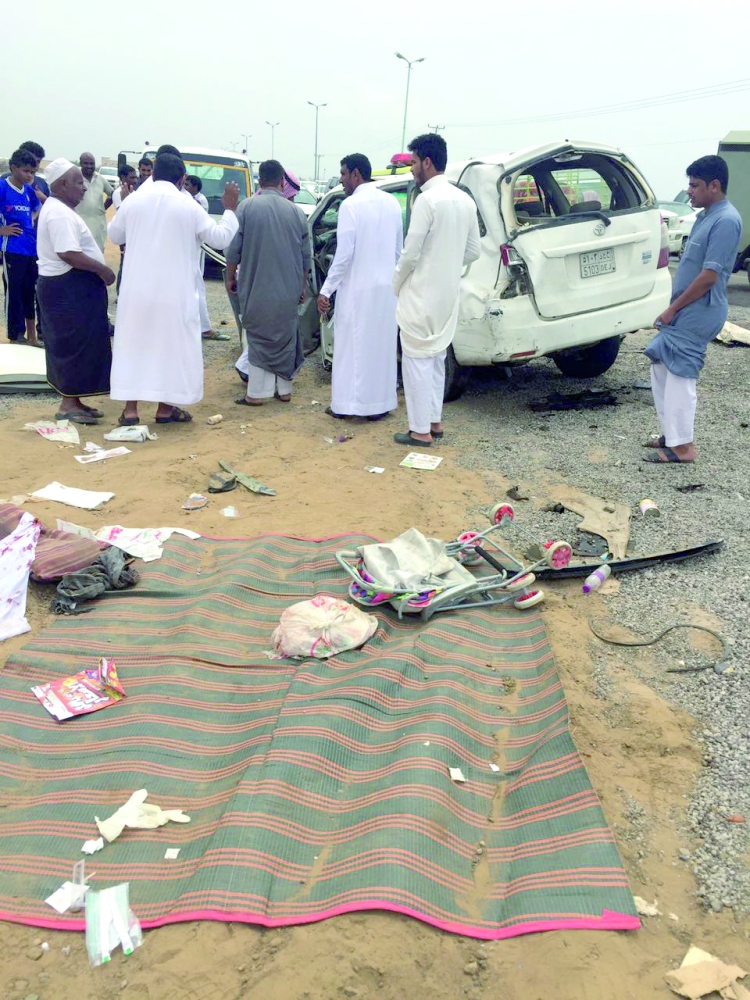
456, 377
588, 362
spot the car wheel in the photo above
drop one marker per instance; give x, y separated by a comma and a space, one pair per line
456, 377
588, 362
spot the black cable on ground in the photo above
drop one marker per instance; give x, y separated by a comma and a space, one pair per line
718, 665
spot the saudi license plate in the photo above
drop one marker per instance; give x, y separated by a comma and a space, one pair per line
597, 262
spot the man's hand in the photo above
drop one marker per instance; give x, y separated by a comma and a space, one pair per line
667, 318
231, 197
108, 276
231, 282
303, 296
324, 304
125, 190
11, 230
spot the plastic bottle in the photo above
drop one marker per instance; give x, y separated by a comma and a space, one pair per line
596, 579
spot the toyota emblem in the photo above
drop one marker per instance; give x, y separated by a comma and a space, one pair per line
599, 229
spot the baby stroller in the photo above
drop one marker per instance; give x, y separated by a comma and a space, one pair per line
510, 581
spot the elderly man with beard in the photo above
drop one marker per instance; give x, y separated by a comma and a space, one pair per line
92, 208
72, 297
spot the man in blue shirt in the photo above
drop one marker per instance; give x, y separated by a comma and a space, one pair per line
18, 207
697, 312
41, 188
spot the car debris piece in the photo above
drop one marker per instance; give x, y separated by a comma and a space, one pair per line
607, 518
635, 562
514, 494
254, 485
589, 399
702, 973
732, 333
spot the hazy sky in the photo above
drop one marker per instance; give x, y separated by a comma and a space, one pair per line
108, 78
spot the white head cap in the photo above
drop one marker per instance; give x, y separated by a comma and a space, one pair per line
57, 169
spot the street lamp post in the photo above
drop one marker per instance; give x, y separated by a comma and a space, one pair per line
318, 158
317, 108
234, 146
273, 127
247, 138
410, 63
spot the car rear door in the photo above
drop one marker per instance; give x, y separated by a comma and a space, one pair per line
586, 225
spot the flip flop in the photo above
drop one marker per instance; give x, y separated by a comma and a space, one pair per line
213, 335
177, 416
286, 398
373, 417
242, 375
655, 442
76, 416
411, 441
672, 456
436, 435
93, 411
338, 416
221, 482
244, 401
124, 421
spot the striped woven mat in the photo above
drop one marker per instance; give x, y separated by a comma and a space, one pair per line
314, 787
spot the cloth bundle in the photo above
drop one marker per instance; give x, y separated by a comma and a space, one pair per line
321, 628
110, 572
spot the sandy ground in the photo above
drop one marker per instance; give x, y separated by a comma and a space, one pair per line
639, 752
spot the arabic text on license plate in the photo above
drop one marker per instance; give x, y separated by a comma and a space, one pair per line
597, 262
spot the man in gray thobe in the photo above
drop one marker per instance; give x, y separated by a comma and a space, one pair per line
272, 251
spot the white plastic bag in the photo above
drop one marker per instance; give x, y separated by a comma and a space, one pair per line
322, 627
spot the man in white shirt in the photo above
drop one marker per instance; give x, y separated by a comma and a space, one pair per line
72, 297
128, 183
157, 349
369, 239
443, 238
92, 208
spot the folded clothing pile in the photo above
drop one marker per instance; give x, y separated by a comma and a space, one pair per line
57, 552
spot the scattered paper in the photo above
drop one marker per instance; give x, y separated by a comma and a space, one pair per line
456, 774
91, 446
646, 909
137, 814
143, 543
171, 853
84, 692
494, 767
66, 896
85, 499
61, 431
418, 460
92, 846
230, 512
426, 743
374, 468
702, 973
75, 529
101, 455
138, 432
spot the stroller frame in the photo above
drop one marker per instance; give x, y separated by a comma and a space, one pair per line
511, 581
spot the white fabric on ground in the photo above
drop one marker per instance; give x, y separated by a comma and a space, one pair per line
17, 551
675, 399
369, 238
410, 562
424, 386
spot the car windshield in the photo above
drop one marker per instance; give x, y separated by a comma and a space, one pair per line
214, 176
680, 208
304, 197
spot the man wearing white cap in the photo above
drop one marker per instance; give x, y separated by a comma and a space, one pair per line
72, 297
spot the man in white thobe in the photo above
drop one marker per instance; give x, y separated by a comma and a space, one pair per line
443, 238
157, 352
194, 187
93, 207
369, 239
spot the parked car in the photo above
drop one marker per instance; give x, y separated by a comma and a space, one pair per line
735, 148
574, 255
680, 218
110, 174
306, 201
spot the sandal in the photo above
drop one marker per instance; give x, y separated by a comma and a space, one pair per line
672, 456
213, 335
411, 441
76, 416
221, 482
338, 416
177, 416
124, 421
244, 401
286, 398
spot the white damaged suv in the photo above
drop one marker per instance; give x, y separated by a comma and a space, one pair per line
574, 255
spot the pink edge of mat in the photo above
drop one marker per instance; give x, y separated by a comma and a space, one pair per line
281, 534
609, 921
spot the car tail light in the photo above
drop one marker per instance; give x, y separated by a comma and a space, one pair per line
663, 260
510, 256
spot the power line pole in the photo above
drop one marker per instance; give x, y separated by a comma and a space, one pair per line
410, 63
317, 108
437, 129
273, 128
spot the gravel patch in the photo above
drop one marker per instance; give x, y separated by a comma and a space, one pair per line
599, 451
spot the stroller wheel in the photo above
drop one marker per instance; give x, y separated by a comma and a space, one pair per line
529, 600
501, 510
465, 556
558, 554
522, 582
